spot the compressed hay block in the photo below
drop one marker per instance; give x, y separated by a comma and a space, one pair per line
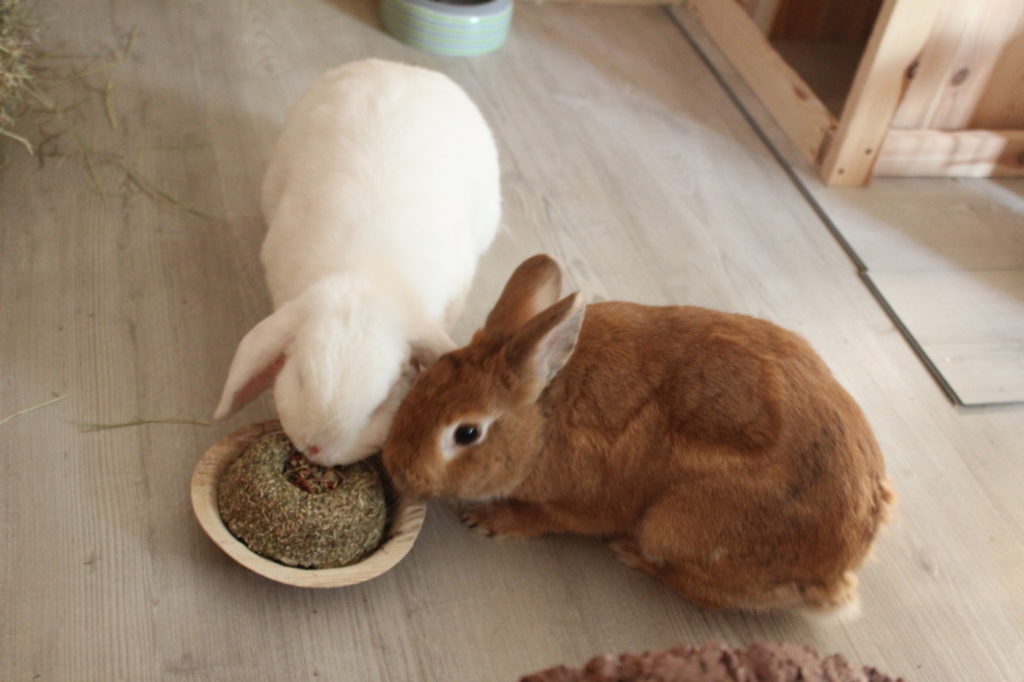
325, 519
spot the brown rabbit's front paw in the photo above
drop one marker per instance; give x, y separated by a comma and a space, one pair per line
469, 520
629, 553
482, 520
501, 520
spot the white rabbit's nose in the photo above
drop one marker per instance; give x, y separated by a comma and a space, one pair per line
317, 456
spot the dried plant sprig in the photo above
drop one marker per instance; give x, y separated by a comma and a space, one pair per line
119, 57
185, 146
18, 52
129, 43
111, 116
18, 138
89, 427
33, 86
32, 408
152, 192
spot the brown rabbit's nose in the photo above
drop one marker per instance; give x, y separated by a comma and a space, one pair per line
405, 484
400, 480
313, 450
410, 486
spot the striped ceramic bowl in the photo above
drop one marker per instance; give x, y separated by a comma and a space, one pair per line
453, 27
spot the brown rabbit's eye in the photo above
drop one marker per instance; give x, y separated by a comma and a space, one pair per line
466, 434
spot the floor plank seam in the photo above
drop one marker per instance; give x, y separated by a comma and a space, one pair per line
787, 168
919, 350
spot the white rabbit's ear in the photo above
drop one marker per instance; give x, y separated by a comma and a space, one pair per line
544, 346
534, 286
259, 358
431, 343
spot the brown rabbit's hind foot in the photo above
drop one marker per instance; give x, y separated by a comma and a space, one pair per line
838, 602
846, 613
822, 604
888, 501
832, 603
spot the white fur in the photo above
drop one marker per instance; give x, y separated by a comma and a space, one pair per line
847, 613
381, 195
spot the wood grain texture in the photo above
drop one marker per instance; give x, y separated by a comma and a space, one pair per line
916, 225
828, 68
763, 12
622, 155
970, 72
792, 102
960, 153
969, 323
899, 32
1002, 104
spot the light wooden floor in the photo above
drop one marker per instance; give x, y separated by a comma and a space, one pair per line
622, 155
947, 256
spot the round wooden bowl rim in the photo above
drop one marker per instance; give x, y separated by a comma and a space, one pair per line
405, 524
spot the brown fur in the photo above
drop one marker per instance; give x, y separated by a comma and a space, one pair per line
714, 451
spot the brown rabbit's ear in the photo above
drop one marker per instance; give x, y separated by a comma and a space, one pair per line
545, 344
534, 286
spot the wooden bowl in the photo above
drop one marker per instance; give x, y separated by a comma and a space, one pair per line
405, 523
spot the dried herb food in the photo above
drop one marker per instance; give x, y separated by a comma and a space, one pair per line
312, 478
292, 511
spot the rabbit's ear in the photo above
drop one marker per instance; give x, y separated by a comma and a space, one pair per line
431, 343
534, 286
545, 344
259, 358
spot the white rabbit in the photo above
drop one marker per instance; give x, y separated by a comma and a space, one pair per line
381, 195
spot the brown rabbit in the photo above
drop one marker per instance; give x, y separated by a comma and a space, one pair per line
714, 451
